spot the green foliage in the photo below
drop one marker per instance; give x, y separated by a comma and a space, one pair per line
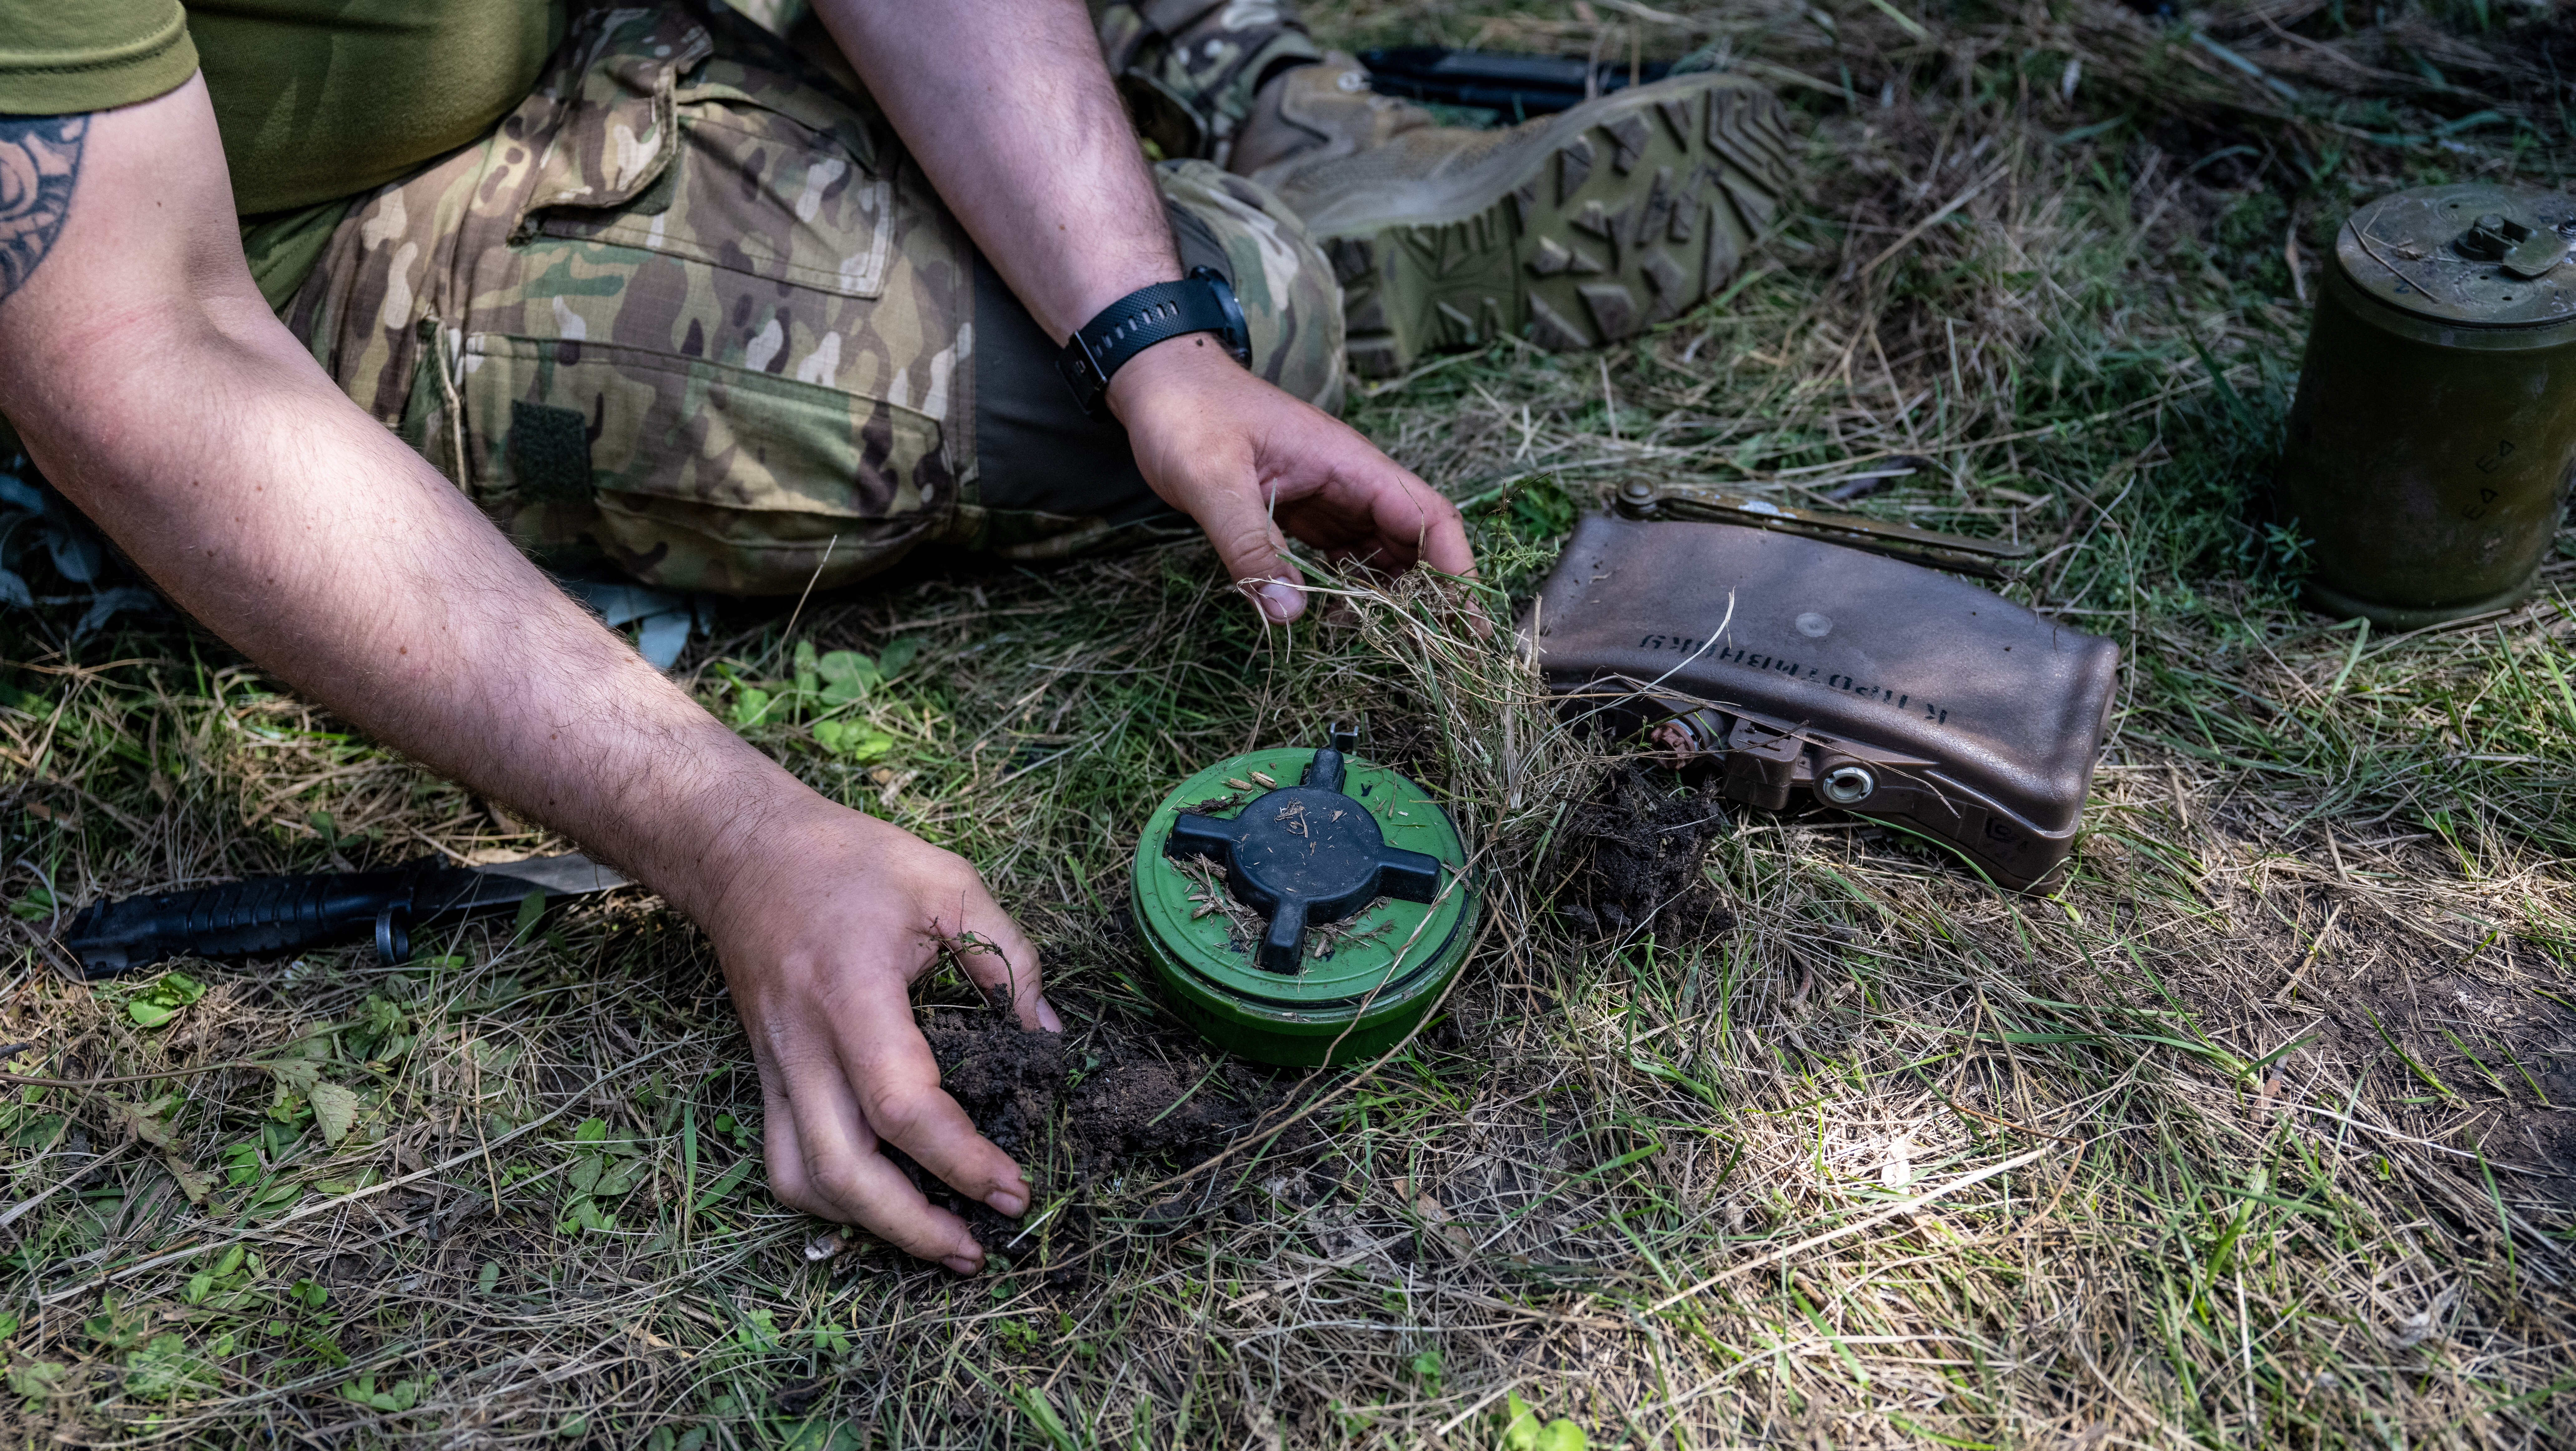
160, 1000
36, 1381
2249, 240
335, 1111
165, 1370
600, 1179
828, 692
1017, 1336
396, 1397
1519, 528
224, 1284
1523, 1431
1042, 1414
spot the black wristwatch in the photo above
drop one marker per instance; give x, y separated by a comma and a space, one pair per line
1199, 303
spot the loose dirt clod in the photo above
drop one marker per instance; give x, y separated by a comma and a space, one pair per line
1079, 1108
1640, 849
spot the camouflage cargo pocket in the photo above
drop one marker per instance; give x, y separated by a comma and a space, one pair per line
685, 310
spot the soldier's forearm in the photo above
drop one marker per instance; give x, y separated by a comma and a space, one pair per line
1010, 110
152, 384
314, 541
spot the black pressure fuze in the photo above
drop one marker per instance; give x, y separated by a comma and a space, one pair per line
1811, 663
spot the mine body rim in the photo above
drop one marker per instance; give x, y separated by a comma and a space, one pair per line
1266, 1014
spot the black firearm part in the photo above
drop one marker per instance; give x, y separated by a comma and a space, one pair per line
1516, 85
1305, 856
291, 913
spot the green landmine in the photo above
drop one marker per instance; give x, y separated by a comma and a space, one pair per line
1361, 983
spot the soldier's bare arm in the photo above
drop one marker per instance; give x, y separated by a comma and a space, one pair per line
1011, 112
153, 385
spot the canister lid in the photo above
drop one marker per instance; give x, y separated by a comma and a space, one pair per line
2472, 253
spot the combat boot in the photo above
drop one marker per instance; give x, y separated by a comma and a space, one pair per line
1574, 230
1314, 114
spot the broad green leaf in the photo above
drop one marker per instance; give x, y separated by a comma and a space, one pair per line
898, 656
162, 1000
335, 1109
750, 707
846, 675
1561, 1435
1520, 1423
294, 1075
144, 1121
620, 1179
852, 740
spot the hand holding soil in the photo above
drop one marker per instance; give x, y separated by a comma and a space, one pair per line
821, 954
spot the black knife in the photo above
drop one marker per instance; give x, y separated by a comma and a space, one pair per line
291, 913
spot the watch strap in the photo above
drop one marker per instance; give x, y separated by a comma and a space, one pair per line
1199, 303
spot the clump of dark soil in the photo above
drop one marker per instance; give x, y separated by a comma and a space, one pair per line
1637, 850
1082, 1108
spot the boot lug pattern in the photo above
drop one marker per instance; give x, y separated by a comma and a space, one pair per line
1628, 139
1576, 253
1573, 168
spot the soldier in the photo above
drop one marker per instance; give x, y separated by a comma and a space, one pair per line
300, 298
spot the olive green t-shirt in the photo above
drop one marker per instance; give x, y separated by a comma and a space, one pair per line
317, 100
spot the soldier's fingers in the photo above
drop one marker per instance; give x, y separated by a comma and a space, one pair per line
1237, 520
888, 1068
1440, 536
839, 1173
780, 1150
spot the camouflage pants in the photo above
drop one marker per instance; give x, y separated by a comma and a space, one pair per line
693, 309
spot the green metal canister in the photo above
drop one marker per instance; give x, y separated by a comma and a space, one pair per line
1302, 907
2434, 435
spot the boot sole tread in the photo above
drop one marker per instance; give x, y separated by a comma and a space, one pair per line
1580, 252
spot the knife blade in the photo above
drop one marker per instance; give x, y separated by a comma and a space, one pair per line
317, 909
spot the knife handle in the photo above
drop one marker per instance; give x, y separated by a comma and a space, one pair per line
240, 919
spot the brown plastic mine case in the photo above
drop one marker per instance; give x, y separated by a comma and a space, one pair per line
1881, 687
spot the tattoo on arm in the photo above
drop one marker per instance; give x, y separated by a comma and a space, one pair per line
40, 160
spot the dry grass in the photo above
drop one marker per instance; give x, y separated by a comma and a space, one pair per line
2257, 1132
